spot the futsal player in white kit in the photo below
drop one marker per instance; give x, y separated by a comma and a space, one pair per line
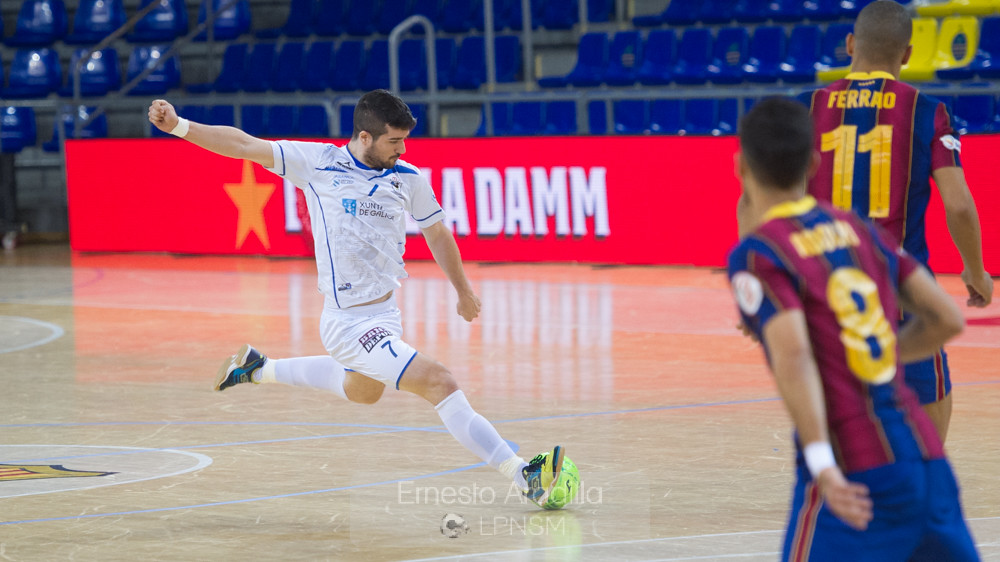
356, 195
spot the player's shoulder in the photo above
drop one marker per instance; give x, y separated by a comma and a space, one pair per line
409, 174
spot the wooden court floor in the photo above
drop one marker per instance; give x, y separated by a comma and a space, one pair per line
113, 445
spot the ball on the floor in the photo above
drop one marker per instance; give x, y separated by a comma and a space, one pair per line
566, 487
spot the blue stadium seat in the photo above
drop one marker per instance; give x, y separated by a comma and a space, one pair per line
431, 9
17, 128
692, 62
100, 74
716, 11
95, 20
514, 14
412, 65
221, 115
260, 66
597, 117
750, 11
470, 68
330, 18
96, 129
230, 78
39, 23
253, 120
507, 50
167, 21
799, 65
299, 23
165, 77
459, 16
560, 118
229, 24
313, 122
376, 74
592, 59
419, 112
34, 73
526, 118
986, 63
560, 15
361, 17
701, 117
767, 50
389, 16
288, 67
346, 121
729, 116
833, 49
501, 120
445, 50
282, 121
317, 67
821, 10
600, 11
630, 117
348, 63
624, 59
975, 114
658, 58
729, 54
785, 11
665, 116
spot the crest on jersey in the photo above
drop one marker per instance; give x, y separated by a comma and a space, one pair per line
10, 472
748, 291
394, 180
951, 143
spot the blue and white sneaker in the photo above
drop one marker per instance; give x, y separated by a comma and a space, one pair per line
239, 368
542, 473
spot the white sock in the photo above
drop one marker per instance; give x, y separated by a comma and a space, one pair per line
321, 372
478, 435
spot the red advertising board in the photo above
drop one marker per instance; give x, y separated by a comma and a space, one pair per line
624, 200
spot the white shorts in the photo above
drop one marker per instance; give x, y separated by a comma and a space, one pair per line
368, 339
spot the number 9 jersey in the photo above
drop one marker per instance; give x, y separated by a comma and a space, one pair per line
880, 140
844, 274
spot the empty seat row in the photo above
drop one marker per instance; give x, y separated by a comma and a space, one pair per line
37, 73
331, 18
689, 12
44, 22
352, 66
731, 56
18, 130
527, 118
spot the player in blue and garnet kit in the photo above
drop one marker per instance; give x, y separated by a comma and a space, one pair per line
881, 142
818, 287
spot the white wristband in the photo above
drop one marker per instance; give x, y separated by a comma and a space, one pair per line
819, 457
181, 130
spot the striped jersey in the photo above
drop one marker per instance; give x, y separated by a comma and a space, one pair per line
844, 274
880, 140
357, 215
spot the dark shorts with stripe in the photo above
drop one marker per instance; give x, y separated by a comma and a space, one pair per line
918, 517
930, 378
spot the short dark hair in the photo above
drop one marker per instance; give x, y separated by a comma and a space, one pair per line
776, 139
378, 109
882, 32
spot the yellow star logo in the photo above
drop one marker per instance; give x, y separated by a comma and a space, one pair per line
250, 199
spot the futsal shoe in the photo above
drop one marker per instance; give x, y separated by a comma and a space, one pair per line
542, 473
239, 368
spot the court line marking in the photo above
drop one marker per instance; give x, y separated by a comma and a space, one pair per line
56, 333
203, 461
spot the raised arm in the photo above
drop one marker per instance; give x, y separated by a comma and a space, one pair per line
442, 244
963, 224
226, 141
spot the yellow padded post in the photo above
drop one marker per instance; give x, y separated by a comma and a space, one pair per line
920, 68
960, 7
957, 42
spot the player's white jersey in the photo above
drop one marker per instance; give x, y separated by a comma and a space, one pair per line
358, 224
